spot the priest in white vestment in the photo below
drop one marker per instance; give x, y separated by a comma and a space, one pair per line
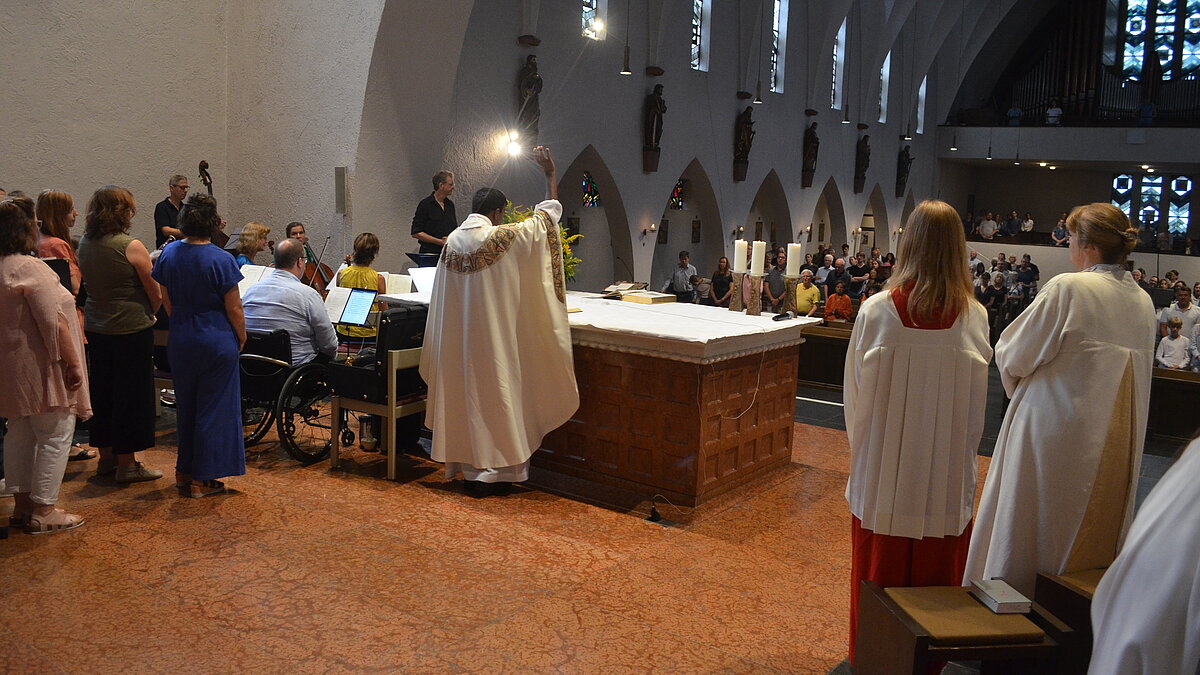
1146, 612
1077, 363
497, 350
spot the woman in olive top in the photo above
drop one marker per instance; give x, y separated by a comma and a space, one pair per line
360, 275
121, 302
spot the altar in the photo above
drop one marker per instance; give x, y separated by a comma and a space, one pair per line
682, 400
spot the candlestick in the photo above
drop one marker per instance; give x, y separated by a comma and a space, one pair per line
754, 302
736, 301
739, 256
789, 296
758, 257
795, 255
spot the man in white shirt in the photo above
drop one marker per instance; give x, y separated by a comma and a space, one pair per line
987, 226
281, 301
824, 270
1174, 351
1188, 313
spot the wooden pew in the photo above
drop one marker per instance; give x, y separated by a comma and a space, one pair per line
1173, 397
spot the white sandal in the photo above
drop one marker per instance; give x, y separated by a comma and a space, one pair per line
55, 521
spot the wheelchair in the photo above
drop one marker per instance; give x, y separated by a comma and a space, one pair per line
296, 401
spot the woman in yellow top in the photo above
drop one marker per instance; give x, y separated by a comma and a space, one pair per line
807, 294
360, 275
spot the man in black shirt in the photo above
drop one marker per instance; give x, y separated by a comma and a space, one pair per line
166, 213
857, 270
435, 219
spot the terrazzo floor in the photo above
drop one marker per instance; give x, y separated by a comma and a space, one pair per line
312, 570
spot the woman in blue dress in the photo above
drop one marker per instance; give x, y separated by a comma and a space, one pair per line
208, 330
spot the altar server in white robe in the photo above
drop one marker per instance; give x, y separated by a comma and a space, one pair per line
497, 350
1146, 612
1061, 488
915, 395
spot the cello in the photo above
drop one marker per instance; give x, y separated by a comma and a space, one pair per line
219, 237
316, 273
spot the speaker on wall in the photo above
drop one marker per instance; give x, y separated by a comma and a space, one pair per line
339, 189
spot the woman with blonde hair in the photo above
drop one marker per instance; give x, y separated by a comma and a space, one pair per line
1076, 363
41, 356
251, 241
915, 393
360, 275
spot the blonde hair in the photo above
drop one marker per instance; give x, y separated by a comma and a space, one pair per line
930, 257
252, 234
1106, 227
53, 207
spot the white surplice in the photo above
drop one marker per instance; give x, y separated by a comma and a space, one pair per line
914, 406
497, 350
1060, 491
1146, 612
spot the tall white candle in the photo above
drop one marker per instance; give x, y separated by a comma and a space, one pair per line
739, 256
758, 257
795, 252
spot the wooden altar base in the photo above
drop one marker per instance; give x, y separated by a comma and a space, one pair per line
688, 431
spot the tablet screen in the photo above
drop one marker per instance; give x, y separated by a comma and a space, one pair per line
358, 307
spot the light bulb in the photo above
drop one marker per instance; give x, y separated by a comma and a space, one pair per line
513, 136
514, 148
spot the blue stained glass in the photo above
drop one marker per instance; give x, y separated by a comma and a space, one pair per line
1181, 185
1177, 219
591, 193
1122, 183
1124, 206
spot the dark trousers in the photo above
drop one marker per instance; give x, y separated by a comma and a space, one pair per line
684, 296
121, 376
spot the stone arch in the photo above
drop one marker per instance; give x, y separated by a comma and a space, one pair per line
770, 207
606, 250
829, 217
874, 223
700, 202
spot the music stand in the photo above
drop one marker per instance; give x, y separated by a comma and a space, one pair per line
424, 259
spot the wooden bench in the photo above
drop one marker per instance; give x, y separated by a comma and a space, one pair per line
823, 355
905, 630
1069, 598
1173, 396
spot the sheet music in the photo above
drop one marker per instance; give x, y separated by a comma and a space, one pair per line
251, 274
335, 302
399, 283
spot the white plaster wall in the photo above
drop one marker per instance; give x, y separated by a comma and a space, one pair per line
297, 77
98, 93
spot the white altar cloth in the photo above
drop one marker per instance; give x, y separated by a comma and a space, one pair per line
675, 331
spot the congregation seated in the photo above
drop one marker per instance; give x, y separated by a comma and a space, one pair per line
837, 305
281, 301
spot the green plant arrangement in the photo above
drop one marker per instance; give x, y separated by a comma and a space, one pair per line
515, 214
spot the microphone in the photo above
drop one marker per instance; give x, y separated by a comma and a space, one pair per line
784, 317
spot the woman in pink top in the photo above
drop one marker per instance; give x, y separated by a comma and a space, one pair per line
41, 355
56, 216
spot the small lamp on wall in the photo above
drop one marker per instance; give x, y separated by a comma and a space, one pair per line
649, 229
737, 232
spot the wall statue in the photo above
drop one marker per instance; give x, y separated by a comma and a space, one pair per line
743, 136
652, 119
903, 164
529, 86
862, 161
811, 145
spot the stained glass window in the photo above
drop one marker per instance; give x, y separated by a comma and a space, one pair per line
593, 23
1148, 199
676, 201
922, 92
697, 34
591, 193
778, 44
1166, 32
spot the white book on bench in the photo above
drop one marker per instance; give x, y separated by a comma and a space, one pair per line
999, 597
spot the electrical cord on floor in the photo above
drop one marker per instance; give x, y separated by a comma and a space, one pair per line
656, 517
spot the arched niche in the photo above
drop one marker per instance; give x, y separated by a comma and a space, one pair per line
874, 224
770, 208
699, 204
829, 217
605, 250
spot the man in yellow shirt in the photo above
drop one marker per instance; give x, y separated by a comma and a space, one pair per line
807, 294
